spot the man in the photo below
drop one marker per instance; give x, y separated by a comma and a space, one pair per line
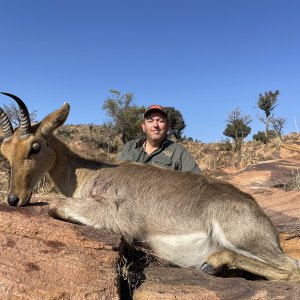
155, 148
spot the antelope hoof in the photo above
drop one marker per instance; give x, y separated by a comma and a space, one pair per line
210, 269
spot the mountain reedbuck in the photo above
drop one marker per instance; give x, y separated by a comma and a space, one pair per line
188, 219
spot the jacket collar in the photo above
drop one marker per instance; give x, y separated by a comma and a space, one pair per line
140, 142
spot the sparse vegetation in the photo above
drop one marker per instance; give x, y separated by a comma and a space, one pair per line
268, 102
237, 128
260, 136
126, 118
294, 183
277, 124
225, 145
12, 111
176, 121
291, 182
46, 186
104, 141
92, 141
4, 176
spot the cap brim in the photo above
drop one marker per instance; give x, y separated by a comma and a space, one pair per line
153, 110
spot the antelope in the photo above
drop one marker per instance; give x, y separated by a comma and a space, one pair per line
191, 220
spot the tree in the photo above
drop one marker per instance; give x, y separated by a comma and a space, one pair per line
12, 111
267, 103
237, 128
277, 124
176, 122
109, 135
125, 117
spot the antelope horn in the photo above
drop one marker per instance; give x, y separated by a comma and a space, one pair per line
24, 115
6, 125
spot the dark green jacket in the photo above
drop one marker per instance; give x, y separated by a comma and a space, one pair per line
171, 155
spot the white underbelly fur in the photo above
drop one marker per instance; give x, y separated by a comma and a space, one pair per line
186, 250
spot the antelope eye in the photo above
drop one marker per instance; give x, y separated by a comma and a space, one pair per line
35, 148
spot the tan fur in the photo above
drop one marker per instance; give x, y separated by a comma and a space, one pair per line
191, 220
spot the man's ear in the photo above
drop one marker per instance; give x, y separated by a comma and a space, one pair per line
54, 120
143, 126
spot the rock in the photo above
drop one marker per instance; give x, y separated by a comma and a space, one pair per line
283, 207
267, 173
44, 258
182, 284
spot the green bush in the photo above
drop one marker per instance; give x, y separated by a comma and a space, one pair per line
260, 136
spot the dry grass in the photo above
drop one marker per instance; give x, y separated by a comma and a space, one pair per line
291, 182
218, 155
46, 186
133, 260
294, 183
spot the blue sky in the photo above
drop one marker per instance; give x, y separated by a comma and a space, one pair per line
205, 58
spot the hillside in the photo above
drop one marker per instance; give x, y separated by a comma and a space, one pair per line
96, 140
216, 159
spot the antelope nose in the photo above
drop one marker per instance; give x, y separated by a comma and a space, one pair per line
13, 200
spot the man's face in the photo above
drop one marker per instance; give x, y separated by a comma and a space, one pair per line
155, 126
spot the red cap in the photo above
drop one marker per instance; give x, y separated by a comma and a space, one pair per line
155, 107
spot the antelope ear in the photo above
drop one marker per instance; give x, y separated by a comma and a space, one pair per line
54, 120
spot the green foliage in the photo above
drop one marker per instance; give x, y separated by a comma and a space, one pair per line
125, 117
267, 102
237, 128
260, 136
176, 121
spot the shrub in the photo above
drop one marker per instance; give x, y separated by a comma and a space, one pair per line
290, 182
294, 181
260, 136
225, 145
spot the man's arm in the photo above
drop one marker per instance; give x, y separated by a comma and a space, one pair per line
123, 155
188, 163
